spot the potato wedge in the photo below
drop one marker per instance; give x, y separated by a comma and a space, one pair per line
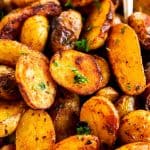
98, 24
102, 118
69, 69
140, 22
10, 25
66, 30
109, 93
125, 104
105, 71
65, 114
10, 114
34, 32
35, 130
126, 60
8, 147
34, 81
135, 127
136, 146
8, 86
79, 142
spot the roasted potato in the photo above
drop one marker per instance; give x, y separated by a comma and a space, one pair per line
135, 127
8, 86
22, 3
35, 32
104, 68
79, 142
66, 30
98, 24
125, 104
8, 147
102, 118
136, 146
10, 25
109, 93
65, 114
69, 69
126, 60
140, 22
10, 114
34, 81
35, 130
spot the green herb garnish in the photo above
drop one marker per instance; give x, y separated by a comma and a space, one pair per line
68, 3
55, 63
123, 29
82, 128
42, 86
128, 86
82, 45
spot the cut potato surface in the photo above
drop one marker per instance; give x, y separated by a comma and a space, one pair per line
34, 81
76, 71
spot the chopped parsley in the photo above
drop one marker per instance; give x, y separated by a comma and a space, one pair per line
55, 63
123, 29
82, 45
42, 86
128, 86
68, 3
97, 4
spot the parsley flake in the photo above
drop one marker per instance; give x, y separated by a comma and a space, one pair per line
123, 29
55, 63
82, 45
42, 86
68, 3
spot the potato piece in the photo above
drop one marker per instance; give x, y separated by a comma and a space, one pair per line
105, 71
34, 81
65, 114
35, 130
125, 104
8, 147
69, 69
102, 118
22, 3
98, 24
135, 127
79, 142
109, 93
8, 86
10, 25
35, 32
136, 146
10, 114
126, 60
66, 30
140, 22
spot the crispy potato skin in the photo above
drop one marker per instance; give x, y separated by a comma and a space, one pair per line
8, 147
34, 32
135, 127
79, 142
102, 118
35, 129
126, 60
136, 146
8, 86
69, 69
99, 21
65, 114
34, 81
22, 3
140, 22
11, 23
66, 30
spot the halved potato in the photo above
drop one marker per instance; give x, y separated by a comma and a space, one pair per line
76, 71
79, 142
35, 130
125, 58
34, 81
135, 127
102, 118
10, 114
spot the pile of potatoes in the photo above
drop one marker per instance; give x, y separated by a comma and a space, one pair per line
73, 76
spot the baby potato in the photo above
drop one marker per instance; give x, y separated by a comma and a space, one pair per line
98, 24
8, 147
8, 86
140, 22
69, 69
104, 68
125, 104
136, 146
135, 127
35, 130
35, 32
125, 59
79, 142
22, 3
109, 93
102, 118
34, 81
